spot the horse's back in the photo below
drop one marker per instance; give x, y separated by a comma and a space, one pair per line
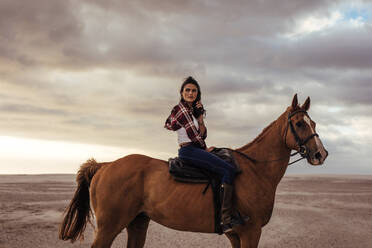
127, 167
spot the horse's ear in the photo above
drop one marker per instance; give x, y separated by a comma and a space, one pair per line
294, 101
306, 104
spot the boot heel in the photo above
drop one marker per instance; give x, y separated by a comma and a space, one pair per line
237, 219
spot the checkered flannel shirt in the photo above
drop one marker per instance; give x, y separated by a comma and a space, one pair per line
181, 117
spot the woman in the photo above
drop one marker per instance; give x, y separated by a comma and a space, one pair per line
187, 119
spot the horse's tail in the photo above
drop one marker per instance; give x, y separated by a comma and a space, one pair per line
78, 213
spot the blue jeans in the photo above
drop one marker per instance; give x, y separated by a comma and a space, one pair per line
206, 160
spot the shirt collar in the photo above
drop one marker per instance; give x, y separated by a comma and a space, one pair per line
186, 106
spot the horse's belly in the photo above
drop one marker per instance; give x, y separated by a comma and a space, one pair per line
182, 207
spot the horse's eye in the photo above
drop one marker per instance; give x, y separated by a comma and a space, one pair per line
299, 124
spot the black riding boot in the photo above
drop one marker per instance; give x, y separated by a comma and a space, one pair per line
228, 217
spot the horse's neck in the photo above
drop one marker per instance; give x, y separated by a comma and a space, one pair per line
268, 146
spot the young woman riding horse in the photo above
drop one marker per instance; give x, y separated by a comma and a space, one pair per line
186, 119
129, 192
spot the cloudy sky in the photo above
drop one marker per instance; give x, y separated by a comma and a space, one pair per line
81, 79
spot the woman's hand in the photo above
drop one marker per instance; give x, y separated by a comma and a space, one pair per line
200, 118
210, 148
198, 104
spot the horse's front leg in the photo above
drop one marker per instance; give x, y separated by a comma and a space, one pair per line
234, 239
250, 237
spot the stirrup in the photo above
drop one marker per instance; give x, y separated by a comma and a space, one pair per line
236, 219
226, 228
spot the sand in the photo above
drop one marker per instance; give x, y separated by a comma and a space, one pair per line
310, 211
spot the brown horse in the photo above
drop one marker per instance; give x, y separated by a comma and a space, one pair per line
130, 191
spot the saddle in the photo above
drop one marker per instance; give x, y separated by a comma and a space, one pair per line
185, 172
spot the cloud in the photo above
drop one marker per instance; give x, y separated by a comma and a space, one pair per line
35, 32
108, 72
140, 34
339, 48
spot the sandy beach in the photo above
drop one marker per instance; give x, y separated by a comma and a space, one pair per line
310, 211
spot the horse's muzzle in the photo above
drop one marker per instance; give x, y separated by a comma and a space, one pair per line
319, 157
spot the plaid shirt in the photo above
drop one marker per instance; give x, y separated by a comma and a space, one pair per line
181, 117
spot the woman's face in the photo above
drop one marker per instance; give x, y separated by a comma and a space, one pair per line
189, 93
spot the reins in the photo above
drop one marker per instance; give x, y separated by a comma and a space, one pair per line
302, 149
266, 161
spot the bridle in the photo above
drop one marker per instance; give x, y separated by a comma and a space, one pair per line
300, 142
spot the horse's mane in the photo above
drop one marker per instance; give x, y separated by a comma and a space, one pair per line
264, 131
259, 137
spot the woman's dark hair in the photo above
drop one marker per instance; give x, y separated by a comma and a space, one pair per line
196, 111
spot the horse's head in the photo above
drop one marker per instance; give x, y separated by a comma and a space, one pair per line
300, 133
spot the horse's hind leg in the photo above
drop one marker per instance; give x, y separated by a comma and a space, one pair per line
106, 233
109, 225
103, 239
137, 231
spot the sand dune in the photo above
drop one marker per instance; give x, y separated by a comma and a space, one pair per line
310, 211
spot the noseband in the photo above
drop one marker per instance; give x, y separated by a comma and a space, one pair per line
300, 142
